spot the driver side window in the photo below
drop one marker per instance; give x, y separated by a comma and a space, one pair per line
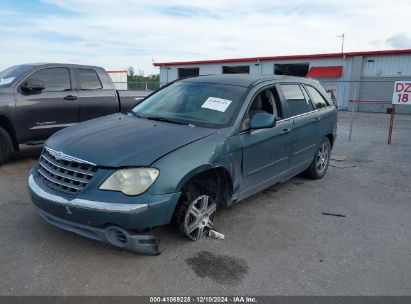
54, 79
266, 101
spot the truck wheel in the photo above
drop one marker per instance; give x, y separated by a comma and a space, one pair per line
6, 145
320, 163
195, 218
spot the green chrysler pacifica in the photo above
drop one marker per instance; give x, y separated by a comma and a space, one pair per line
189, 148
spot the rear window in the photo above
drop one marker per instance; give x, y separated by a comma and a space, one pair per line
297, 103
89, 79
316, 97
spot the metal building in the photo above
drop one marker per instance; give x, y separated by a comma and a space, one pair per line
119, 78
362, 79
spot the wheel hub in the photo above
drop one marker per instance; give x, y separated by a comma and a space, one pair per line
199, 217
322, 157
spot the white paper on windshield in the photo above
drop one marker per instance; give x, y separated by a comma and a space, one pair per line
6, 80
217, 104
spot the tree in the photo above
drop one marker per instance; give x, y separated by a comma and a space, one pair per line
131, 72
138, 81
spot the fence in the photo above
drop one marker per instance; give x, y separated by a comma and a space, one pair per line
137, 86
366, 95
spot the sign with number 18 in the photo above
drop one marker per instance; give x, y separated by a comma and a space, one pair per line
402, 93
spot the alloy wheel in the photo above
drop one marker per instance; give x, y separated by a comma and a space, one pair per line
199, 218
322, 158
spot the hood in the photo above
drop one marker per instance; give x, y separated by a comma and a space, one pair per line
124, 140
6, 96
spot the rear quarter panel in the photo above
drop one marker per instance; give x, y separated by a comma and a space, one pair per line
328, 116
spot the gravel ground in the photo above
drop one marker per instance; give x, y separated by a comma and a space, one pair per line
278, 242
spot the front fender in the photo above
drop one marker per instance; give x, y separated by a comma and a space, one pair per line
214, 151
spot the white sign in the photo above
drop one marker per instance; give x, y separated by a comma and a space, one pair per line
6, 80
218, 104
402, 93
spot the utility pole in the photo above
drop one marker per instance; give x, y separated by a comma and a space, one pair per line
342, 42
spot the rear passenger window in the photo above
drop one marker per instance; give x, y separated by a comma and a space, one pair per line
89, 79
297, 103
316, 98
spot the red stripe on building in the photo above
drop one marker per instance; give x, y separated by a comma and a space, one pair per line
288, 57
370, 101
325, 71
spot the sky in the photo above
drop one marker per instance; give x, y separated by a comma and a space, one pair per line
119, 34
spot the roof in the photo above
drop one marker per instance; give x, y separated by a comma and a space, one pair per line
58, 64
289, 57
325, 71
244, 80
117, 71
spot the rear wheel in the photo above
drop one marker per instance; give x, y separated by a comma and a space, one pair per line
320, 163
6, 145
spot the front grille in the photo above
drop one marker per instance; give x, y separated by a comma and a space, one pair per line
64, 173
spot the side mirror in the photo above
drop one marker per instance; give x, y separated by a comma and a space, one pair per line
33, 85
262, 120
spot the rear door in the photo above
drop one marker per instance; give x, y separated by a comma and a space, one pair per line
94, 99
324, 110
306, 125
40, 114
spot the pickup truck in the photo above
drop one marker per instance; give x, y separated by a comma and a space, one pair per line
37, 100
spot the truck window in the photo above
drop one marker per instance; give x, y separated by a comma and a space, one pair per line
297, 103
89, 79
316, 97
54, 79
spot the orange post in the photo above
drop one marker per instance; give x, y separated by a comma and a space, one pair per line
391, 124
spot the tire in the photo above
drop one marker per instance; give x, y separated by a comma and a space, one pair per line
6, 145
195, 216
319, 165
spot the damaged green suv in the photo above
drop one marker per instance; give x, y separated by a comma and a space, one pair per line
189, 148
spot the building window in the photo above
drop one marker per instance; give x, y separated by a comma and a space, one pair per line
239, 69
188, 72
292, 69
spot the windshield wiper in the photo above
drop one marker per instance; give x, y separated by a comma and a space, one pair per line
157, 118
135, 114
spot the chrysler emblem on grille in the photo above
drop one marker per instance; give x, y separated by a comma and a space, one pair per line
62, 156
58, 155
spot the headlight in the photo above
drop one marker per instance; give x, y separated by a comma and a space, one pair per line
131, 181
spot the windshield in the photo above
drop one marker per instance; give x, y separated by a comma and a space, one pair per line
9, 75
200, 104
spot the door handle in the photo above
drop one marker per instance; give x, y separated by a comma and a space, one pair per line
70, 97
317, 119
285, 131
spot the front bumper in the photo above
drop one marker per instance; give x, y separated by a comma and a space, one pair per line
114, 235
104, 220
